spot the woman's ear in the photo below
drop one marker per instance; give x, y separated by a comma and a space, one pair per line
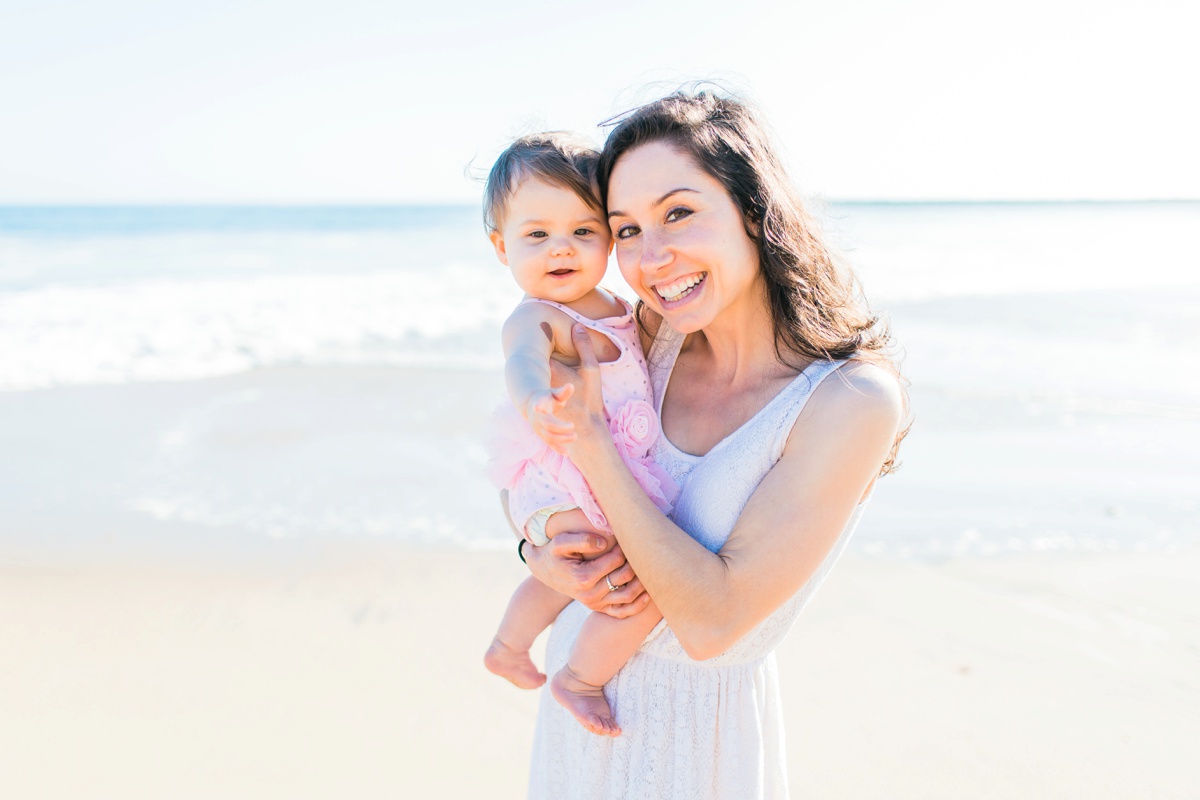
753, 224
498, 245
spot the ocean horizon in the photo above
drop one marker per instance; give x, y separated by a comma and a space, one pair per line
223, 363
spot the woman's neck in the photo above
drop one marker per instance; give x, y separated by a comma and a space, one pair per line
739, 345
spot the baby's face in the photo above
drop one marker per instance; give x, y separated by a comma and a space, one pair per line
556, 245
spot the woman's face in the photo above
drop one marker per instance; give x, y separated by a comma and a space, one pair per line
680, 239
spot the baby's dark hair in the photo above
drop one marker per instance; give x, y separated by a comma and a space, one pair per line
556, 157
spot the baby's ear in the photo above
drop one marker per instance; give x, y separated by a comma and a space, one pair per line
498, 245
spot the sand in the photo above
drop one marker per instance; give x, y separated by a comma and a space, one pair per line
355, 671
263, 586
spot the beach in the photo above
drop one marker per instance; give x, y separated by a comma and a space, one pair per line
247, 547
162, 655
357, 672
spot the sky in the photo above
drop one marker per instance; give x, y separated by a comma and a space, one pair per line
262, 101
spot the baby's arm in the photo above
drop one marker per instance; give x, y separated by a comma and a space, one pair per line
529, 337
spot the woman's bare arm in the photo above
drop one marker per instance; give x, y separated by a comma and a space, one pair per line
790, 524
576, 564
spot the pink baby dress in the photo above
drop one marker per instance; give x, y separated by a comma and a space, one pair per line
537, 477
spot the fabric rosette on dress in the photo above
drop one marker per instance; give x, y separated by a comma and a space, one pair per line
537, 477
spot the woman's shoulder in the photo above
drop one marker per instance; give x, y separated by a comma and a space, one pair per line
851, 419
859, 391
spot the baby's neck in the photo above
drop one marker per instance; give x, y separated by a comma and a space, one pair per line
597, 304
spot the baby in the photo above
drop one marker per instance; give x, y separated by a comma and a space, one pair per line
546, 223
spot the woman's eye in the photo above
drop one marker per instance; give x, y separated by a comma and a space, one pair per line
627, 231
678, 213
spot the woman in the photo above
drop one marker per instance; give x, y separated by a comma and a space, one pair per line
779, 410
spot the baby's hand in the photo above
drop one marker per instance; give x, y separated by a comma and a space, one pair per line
541, 410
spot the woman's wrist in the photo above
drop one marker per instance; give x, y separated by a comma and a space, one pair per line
592, 439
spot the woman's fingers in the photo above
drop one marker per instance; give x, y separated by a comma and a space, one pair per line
589, 367
628, 592
556, 563
622, 575
627, 601
583, 343
577, 565
567, 544
592, 589
563, 393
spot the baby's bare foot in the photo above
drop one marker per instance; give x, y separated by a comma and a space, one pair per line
585, 702
515, 665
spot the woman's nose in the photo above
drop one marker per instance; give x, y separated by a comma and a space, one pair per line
654, 252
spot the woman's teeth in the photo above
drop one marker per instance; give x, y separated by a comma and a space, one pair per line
679, 289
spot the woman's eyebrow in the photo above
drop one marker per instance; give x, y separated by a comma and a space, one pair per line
659, 201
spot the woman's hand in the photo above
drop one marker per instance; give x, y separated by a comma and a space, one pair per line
583, 408
577, 565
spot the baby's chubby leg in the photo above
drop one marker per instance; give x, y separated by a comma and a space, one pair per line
602, 648
532, 609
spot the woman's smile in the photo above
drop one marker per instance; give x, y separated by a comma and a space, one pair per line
676, 292
681, 241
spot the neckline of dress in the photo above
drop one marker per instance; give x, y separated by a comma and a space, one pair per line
626, 315
678, 346
617, 322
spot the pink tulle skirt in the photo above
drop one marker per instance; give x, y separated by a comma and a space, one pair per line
537, 477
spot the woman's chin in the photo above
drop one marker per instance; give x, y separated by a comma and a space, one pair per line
686, 317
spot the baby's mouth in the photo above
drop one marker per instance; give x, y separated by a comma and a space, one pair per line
561, 272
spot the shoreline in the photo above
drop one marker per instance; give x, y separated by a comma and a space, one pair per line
264, 585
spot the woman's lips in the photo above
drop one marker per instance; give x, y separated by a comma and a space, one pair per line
676, 292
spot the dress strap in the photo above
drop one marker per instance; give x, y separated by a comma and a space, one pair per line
660, 361
586, 322
795, 396
604, 325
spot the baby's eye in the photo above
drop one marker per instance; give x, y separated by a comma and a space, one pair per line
627, 231
678, 213
583, 231
537, 234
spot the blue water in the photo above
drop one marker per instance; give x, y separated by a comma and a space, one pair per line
124, 294
84, 221
1050, 349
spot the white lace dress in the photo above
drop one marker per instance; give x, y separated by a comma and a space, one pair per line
690, 729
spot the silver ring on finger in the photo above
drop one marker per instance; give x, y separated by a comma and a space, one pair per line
611, 588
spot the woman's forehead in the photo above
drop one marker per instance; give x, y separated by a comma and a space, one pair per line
650, 171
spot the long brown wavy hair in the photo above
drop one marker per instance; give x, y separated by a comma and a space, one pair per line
816, 302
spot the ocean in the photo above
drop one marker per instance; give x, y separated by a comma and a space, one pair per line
1053, 351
